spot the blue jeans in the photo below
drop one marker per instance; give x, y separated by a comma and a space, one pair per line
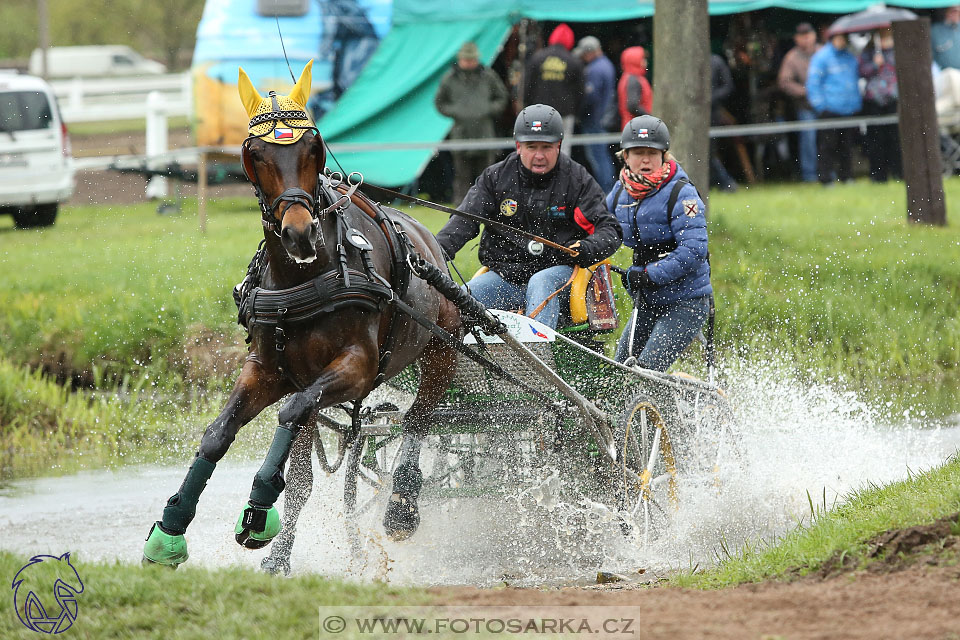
807, 143
496, 293
598, 157
662, 332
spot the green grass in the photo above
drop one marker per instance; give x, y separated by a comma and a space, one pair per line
841, 532
47, 429
838, 280
835, 280
121, 601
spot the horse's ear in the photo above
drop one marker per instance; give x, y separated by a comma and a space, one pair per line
249, 96
301, 91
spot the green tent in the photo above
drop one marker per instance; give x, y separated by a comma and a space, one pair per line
392, 99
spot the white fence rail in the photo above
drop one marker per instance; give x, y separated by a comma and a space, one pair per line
98, 99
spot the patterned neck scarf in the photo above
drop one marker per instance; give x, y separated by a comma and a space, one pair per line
639, 186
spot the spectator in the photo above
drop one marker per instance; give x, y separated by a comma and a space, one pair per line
945, 38
473, 96
634, 94
721, 86
792, 80
554, 76
599, 97
880, 98
833, 92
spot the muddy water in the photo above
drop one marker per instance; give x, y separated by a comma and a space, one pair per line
796, 441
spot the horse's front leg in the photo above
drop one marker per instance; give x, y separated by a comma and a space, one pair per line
254, 390
346, 378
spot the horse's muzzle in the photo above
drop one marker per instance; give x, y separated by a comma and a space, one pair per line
301, 244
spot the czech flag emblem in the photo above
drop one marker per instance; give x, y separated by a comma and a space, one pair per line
643, 133
539, 334
537, 125
282, 134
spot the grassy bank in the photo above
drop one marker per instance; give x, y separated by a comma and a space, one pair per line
834, 279
131, 602
840, 536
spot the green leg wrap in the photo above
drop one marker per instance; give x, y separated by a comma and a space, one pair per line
257, 526
164, 548
182, 506
269, 482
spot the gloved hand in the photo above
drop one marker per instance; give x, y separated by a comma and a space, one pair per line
635, 280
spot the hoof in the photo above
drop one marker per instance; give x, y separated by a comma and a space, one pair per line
257, 526
275, 566
403, 516
164, 549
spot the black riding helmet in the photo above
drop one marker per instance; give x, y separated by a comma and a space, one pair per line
538, 123
645, 131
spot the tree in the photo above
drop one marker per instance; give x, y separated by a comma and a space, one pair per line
681, 82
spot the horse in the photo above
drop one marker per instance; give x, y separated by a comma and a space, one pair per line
323, 322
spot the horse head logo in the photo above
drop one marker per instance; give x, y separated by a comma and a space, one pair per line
36, 579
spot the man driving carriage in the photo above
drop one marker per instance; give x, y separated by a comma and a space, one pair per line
541, 191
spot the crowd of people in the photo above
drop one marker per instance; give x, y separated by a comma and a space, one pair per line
824, 75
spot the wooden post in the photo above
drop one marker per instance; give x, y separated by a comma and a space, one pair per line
919, 133
202, 191
681, 87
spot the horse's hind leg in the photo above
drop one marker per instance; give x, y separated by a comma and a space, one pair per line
295, 496
402, 517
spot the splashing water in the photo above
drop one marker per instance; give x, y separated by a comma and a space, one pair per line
794, 439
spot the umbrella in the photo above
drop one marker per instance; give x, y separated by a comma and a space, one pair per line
873, 18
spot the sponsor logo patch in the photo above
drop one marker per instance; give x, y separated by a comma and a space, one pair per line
537, 126
508, 207
644, 133
690, 208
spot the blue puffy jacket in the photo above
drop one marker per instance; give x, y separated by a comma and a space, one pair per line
683, 273
832, 82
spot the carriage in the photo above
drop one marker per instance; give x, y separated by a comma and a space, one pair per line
630, 438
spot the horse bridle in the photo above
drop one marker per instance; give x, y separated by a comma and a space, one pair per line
292, 195
295, 195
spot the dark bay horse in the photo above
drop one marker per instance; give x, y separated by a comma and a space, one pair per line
330, 254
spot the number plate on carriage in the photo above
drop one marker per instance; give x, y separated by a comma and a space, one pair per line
522, 328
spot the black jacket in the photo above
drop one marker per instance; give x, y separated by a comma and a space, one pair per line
554, 76
565, 205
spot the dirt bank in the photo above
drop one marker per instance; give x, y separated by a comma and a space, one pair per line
910, 589
114, 188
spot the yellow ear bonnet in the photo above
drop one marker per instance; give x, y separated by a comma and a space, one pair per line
286, 130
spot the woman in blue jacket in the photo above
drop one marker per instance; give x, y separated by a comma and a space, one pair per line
663, 221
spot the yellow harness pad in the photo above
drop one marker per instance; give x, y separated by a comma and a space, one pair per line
281, 130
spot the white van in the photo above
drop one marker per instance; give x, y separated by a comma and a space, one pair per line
94, 61
36, 167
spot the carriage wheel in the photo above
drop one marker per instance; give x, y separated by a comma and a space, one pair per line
370, 463
646, 472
